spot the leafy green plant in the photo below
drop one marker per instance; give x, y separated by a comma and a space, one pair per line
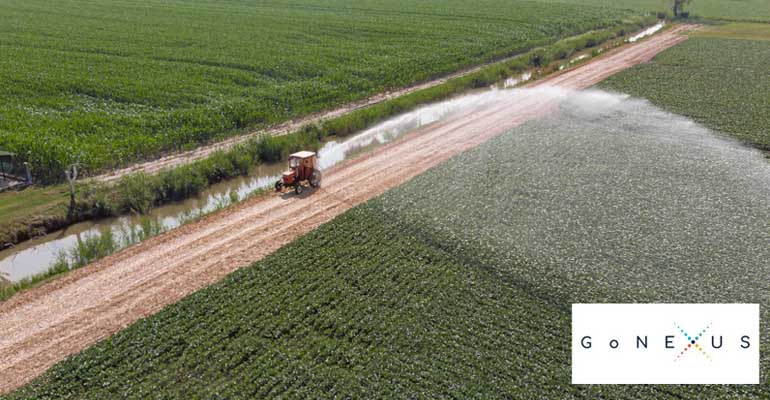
126, 93
134, 193
739, 109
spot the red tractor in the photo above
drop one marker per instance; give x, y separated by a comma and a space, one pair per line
302, 168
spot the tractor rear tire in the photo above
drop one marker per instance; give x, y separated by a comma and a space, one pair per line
315, 178
278, 186
298, 188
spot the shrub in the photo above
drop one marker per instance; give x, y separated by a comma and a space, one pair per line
180, 183
539, 58
269, 149
563, 51
92, 248
241, 161
135, 193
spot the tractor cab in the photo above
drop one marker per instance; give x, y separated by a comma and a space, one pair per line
302, 169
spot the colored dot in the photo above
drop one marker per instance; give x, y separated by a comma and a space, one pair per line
688, 344
692, 341
688, 337
685, 349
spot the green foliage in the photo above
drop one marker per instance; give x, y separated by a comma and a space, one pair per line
488, 75
91, 248
678, 8
539, 58
181, 182
134, 193
233, 196
144, 78
736, 10
721, 83
276, 148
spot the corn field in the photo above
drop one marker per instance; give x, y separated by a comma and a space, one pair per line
143, 78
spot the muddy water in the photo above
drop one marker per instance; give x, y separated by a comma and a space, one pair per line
36, 256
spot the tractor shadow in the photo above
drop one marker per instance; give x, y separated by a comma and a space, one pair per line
289, 194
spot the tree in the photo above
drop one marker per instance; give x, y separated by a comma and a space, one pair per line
679, 6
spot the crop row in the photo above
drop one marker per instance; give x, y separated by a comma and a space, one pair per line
721, 83
145, 78
443, 287
377, 312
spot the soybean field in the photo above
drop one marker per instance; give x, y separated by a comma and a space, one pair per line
106, 83
459, 283
719, 79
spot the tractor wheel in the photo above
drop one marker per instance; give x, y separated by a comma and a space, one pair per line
278, 186
297, 188
315, 178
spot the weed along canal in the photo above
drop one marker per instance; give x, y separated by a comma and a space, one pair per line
616, 150
75, 244
37, 255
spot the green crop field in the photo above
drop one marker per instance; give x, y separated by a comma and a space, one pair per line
106, 83
715, 79
738, 10
459, 283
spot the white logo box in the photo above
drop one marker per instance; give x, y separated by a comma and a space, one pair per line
685, 343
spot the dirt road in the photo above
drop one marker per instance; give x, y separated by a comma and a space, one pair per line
41, 326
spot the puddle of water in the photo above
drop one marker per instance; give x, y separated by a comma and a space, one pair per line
647, 32
511, 82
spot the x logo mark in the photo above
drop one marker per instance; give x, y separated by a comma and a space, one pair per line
692, 342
